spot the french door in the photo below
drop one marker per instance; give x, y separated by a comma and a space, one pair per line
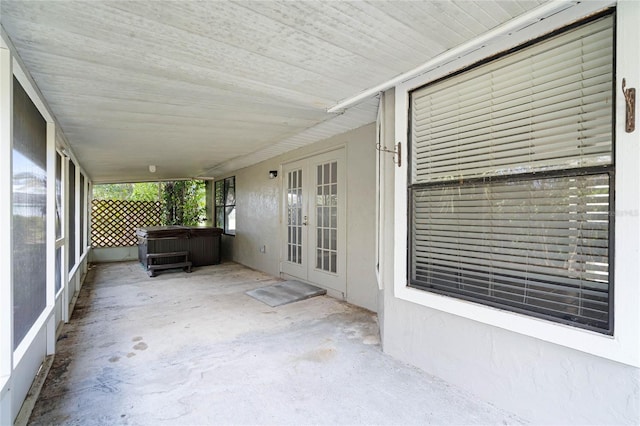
314, 220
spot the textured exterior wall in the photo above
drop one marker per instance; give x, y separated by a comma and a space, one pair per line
258, 215
540, 381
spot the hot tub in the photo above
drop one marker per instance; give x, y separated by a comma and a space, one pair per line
202, 243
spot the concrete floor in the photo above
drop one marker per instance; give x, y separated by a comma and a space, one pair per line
192, 349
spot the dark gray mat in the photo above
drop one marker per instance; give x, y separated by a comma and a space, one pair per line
285, 292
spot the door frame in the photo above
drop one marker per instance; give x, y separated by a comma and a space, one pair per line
335, 283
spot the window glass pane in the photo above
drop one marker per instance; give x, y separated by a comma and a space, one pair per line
220, 217
29, 213
230, 188
546, 107
506, 206
225, 205
539, 245
230, 220
219, 193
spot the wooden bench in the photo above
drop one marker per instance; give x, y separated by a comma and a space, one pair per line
153, 267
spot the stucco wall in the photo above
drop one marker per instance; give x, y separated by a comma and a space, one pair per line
258, 213
542, 382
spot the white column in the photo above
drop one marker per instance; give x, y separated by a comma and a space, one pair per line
65, 233
6, 257
77, 225
51, 236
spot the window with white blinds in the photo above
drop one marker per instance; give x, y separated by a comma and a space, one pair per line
511, 165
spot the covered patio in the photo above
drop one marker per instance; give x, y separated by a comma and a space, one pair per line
461, 177
195, 349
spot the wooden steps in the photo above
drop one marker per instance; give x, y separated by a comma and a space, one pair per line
153, 267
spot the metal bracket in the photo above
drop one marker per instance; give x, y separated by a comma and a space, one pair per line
630, 102
397, 152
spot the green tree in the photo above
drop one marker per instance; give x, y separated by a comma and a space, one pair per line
143, 191
146, 191
184, 202
115, 191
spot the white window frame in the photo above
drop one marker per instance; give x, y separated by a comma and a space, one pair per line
624, 345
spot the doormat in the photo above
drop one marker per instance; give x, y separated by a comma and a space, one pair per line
285, 292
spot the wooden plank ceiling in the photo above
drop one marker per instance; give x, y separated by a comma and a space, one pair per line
198, 88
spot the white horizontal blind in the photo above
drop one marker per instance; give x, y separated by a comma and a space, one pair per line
539, 245
546, 107
511, 170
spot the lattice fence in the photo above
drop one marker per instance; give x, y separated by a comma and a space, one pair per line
114, 222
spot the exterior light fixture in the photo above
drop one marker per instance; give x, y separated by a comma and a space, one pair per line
273, 174
152, 168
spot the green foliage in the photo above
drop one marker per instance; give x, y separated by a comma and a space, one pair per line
116, 191
144, 191
184, 202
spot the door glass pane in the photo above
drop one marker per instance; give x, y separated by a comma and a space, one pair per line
294, 216
326, 216
334, 216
